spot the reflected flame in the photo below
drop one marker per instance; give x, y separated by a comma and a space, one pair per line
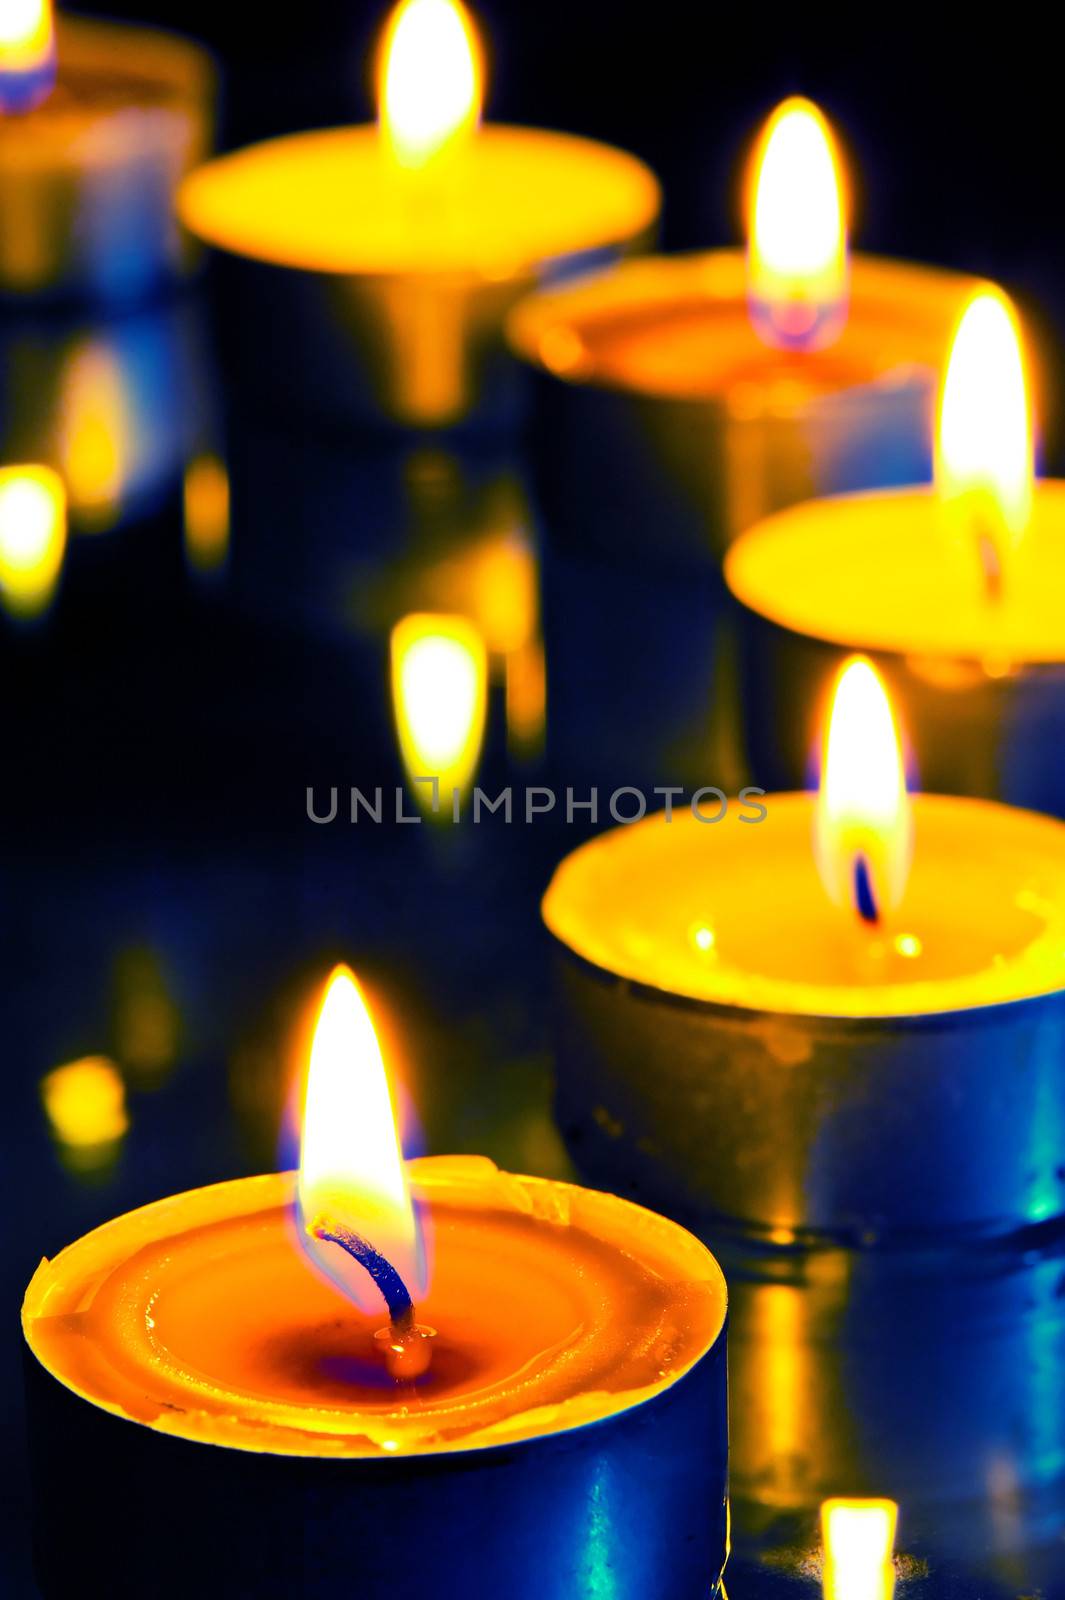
864, 826
94, 433
27, 53
351, 1167
206, 505
33, 537
797, 237
984, 458
430, 83
859, 1542
439, 692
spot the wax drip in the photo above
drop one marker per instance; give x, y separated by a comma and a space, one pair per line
394, 1291
864, 898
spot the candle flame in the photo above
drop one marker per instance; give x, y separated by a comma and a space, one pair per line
439, 692
859, 1543
27, 53
351, 1173
797, 237
33, 537
863, 826
430, 83
984, 458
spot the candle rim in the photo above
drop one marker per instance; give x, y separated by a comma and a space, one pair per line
463, 1176
815, 1002
718, 277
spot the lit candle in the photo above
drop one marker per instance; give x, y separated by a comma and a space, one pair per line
98, 124
388, 254
684, 397
955, 589
440, 1379
844, 1021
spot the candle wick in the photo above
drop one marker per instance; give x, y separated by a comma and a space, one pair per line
394, 1291
864, 897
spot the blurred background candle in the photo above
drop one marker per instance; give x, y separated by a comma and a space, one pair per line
955, 590
391, 301
246, 1351
684, 397
841, 1022
98, 124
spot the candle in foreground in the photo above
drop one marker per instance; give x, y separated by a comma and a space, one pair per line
444, 1380
684, 397
395, 249
98, 124
955, 590
843, 1022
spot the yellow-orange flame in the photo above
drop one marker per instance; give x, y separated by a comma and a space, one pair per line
797, 235
984, 462
85, 1102
27, 53
859, 1543
95, 433
33, 537
864, 827
206, 504
351, 1173
439, 692
429, 94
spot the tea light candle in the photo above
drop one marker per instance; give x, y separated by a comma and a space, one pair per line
783, 1028
955, 590
98, 124
449, 1385
685, 397
389, 254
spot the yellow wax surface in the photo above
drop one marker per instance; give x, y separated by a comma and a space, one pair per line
890, 570
335, 201
202, 1316
735, 912
679, 327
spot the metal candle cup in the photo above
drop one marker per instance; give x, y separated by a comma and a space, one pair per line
668, 426
389, 310
729, 1053
87, 177
981, 684
186, 1356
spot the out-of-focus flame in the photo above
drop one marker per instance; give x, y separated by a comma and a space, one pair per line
33, 537
351, 1173
864, 826
797, 235
439, 692
984, 459
429, 94
95, 429
85, 1103
206, 499
27, 53
859, 1543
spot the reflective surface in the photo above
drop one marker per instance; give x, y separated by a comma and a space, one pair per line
170, 907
